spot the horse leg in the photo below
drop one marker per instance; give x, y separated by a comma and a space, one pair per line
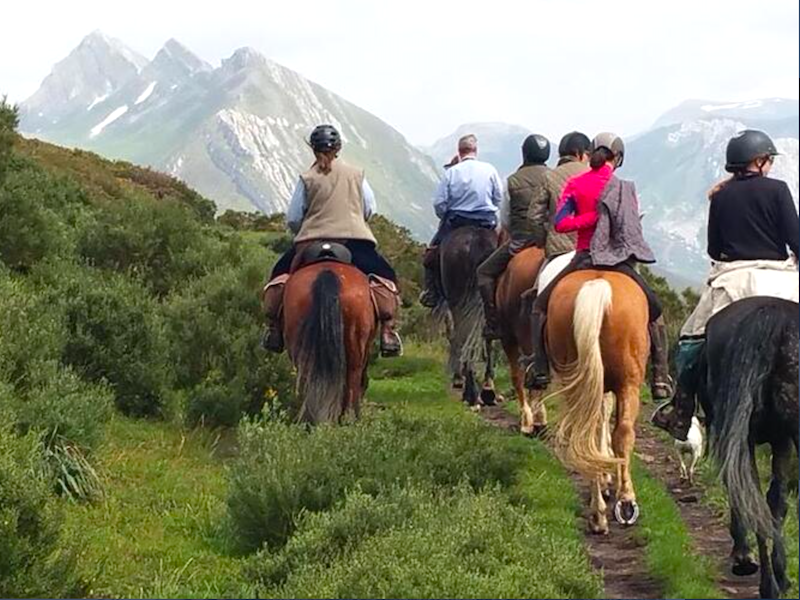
538, 409
623, 442
518, 381
470, 395
606, 443
776, 499
598, 521
744, 564
488, 393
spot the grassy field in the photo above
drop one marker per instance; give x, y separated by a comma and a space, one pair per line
163, 528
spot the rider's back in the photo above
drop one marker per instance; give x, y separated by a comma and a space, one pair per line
561, 243
471, 186
752, 218
335, 204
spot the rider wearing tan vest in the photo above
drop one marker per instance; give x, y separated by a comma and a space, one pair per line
333, 202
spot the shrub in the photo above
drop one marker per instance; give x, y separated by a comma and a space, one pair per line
214, 327
284, 470
115, 335
35, 560
418, 543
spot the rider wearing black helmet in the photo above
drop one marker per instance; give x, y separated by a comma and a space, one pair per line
333, 202
524, 187
751, 218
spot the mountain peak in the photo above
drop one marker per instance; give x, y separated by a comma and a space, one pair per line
244, 58
755, 109
175, 55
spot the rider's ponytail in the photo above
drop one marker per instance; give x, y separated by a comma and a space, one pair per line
325, 160
600, 157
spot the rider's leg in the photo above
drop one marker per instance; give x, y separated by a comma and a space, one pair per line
387, 302
272, 302
675, 416
488, 273
431, 295
385, 292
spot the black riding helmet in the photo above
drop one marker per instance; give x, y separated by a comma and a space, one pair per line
535, 150
746, 147
325, 138
574, 143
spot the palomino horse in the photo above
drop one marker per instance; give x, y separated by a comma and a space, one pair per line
460, 254
598, 345
747, 383
330, 324
515, 333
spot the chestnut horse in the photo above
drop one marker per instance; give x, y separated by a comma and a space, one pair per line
329, 324
515, 333
599, 346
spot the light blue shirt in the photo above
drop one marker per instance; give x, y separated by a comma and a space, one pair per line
298, 205
471, 186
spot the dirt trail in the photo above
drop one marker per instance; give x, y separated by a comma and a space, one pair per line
708, 528
618, 555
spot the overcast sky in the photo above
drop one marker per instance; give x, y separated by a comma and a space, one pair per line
426, 66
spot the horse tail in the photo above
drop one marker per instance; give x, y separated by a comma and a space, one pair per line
321, 358
745, 367
578, 432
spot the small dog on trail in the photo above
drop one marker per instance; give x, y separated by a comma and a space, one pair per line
692, 446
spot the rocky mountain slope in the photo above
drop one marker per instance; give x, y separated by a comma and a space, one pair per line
236, 132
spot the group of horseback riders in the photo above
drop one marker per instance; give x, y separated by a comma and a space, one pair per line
578, 207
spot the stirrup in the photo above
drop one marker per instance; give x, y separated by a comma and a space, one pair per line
395, 349
429, 299
667, 387
534, 380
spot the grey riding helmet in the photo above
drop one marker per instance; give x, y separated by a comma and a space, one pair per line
325, 138
613, 143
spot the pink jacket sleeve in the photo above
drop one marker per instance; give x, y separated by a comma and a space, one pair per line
574, 222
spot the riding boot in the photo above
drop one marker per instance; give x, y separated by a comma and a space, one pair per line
272, 304
491, 329
386, 297
431, 295
537, 373
661, 383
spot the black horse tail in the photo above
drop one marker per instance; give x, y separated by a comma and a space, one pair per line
321, 356
745, 367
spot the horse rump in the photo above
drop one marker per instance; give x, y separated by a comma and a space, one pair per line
743, 357
320, 357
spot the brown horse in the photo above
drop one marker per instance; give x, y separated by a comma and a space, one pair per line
515, 333
330, 324
599, 346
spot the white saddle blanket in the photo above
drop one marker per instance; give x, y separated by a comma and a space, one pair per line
729, 282
551, 269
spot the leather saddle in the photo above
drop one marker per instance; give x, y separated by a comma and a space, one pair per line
322, 251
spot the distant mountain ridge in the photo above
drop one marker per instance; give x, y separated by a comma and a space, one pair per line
237, 133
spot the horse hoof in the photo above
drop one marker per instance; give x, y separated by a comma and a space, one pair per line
598, 528
607, 495
744, 567
539, 431
457, 385
626, 512
488, 397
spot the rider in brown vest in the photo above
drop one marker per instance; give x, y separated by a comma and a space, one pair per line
333, 202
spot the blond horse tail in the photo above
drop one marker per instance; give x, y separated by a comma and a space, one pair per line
577, 435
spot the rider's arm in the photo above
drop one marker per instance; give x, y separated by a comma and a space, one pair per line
370, 205
714, 234
788, 219
497, 190
297, 208
442, 198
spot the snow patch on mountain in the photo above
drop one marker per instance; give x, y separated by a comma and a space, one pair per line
95, 102
146, 93
112, 116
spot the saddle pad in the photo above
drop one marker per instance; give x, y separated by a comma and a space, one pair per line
734, 282
552, 268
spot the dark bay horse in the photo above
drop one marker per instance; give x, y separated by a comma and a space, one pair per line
598, 346
747, 383
515, 333
460, 254
330, 324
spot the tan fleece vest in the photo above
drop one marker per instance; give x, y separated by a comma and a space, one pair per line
335, 205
